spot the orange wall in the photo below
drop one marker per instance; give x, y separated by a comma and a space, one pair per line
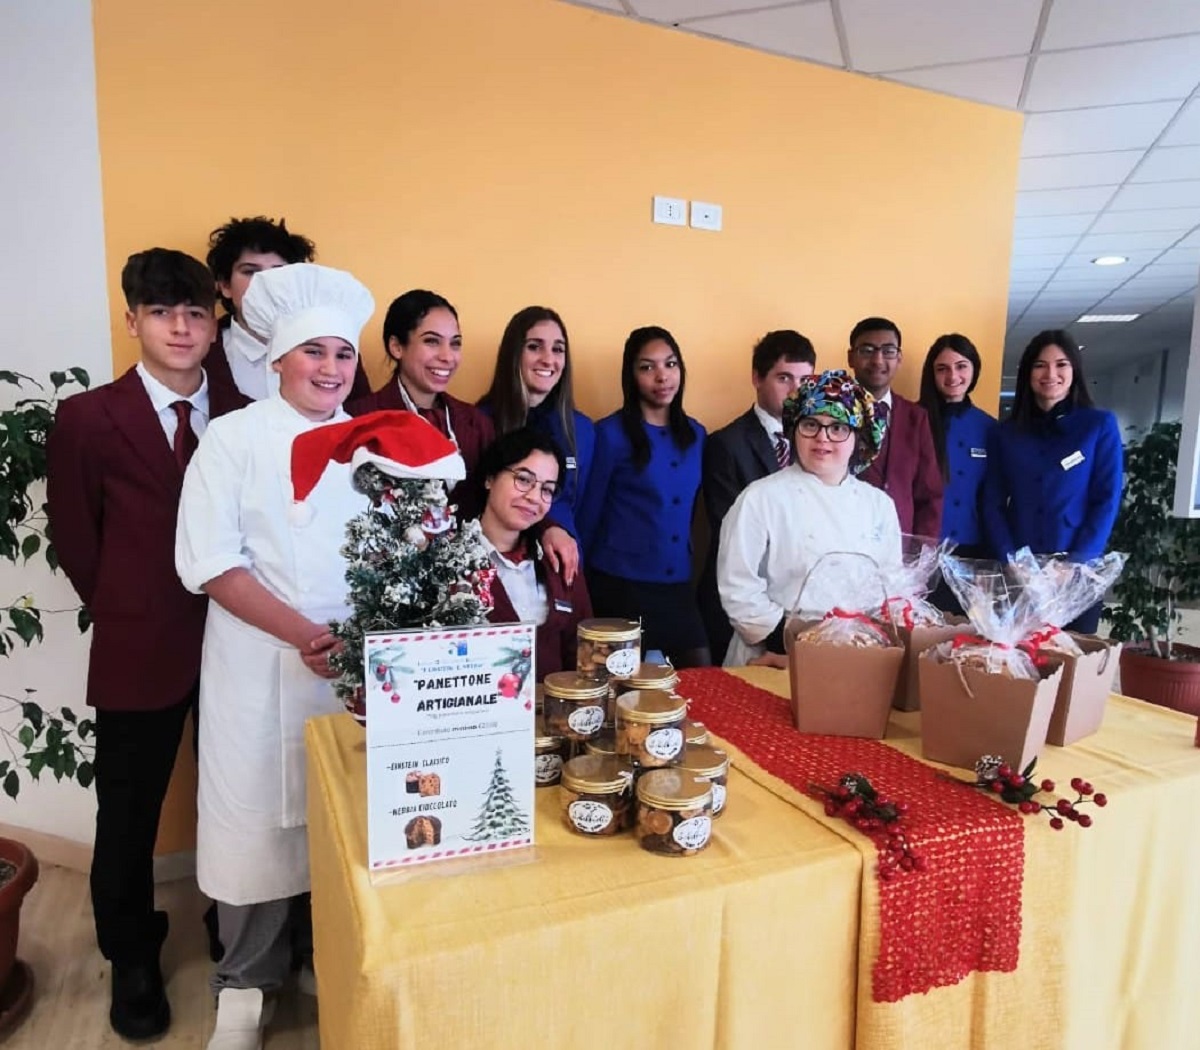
505, 153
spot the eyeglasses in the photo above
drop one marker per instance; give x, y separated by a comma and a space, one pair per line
836, 432
527, 482
889, 351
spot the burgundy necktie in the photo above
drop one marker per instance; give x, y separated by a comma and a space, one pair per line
185, 437
783, 451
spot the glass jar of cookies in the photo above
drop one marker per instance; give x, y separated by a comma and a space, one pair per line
711, 763
550, 752
596, 794
608, 647
650, 727
695, 732
573, 706
655, 676
674, 812
603, 743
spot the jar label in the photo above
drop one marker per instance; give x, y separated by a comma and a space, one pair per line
623, 662
693, 833
588, 816
586, 720
718, 797
664, 743
547, 768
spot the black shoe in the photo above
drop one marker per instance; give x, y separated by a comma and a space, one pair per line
216, 950
139, 1004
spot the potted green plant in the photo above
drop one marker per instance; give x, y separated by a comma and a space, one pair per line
35, 739
1163, 569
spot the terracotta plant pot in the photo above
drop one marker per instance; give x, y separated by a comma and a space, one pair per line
16, 979
1170, 683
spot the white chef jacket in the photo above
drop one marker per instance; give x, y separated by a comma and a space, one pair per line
249, 363
255, 693
777, 531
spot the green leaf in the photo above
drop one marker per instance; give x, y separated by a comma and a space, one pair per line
52, 557
83, 619
33, 714
26, 734
30, 545
84, 774
81, 377
59, 379
1028, 770
68, 715
10, 377
27, 623
37, 762
12, 784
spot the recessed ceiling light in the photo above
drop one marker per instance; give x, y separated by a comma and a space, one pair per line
1109, 260
1107, 319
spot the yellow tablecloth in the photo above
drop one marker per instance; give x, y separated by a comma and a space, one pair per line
592, 943
1110, 938
756, 943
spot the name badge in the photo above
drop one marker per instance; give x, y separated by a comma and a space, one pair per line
563, 606
570, 463
1073, 460
979, 453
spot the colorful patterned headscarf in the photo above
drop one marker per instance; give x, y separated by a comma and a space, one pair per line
837, 395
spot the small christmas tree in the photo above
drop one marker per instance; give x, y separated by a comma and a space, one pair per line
408, 565
500, 816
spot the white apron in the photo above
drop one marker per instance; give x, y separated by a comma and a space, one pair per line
255, 692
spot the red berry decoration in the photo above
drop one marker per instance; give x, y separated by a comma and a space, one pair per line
878, 817
509, 685
996, 777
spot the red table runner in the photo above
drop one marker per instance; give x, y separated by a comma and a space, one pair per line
963, 912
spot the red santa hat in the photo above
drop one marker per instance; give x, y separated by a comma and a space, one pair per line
401, 444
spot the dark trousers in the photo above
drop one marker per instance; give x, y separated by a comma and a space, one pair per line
1088, 621
135, 754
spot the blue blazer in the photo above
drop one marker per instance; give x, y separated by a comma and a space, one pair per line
1054, 485
967, 431
544, 419
637, 524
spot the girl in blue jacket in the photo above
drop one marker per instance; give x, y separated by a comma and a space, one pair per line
1054, 472
531, 386
636, 517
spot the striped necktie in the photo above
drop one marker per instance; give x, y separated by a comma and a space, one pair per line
783, 451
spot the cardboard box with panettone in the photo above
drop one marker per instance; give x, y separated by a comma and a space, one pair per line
1084, 689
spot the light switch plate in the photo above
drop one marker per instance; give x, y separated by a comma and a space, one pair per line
706, 216
670, 211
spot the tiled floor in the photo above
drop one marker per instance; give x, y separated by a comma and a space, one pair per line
70, 1011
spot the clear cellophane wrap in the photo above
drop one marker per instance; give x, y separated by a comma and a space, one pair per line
909, 583
845, 594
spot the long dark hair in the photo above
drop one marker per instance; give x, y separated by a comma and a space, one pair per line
1077, 397
406, 312
632, 419
507, 396
933, 402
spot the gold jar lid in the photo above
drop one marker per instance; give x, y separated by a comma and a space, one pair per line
596, 774
705, 760
654, 676
603, 743
610, 630
541, 738
695, 732
651, 706
567, 685
674, 789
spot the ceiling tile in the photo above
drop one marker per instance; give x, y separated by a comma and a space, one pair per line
1137, 259
1150, 71
1192, 240
673, 11
1043, 245
1183, 255
1081, 23
1033, 264
806, 31
1178, 219
1157, 195
1093, 130
1077, 169
1062, 202
1052, 225
996, 82
1125, 243
1169, 164
885, 35
1186, 130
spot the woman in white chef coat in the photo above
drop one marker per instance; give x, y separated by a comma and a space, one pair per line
783, 524
272, 570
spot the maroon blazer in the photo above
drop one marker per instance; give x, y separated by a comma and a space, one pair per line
473, 428
112, 497
220, 375
907, 469
556, 641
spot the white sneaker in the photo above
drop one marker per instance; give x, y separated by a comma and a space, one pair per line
241, 1017
306, 980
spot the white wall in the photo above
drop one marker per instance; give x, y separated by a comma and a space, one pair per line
53, 296
1144, 389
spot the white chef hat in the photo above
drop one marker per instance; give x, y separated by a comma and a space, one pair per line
290, 305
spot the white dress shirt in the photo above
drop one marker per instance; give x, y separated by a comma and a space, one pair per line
162, 398
773, 426
252, 371
527, 595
